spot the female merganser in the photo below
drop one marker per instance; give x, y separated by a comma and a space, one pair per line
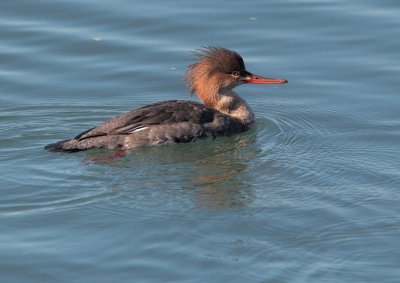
223, 113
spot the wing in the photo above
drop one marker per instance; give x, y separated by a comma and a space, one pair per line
167, 112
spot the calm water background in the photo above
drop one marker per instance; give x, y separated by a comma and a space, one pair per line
310, 195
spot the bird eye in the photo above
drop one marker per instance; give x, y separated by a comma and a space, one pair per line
235, 74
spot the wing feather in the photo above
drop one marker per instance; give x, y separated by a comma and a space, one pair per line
167, 112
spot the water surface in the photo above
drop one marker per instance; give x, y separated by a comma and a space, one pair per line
311, 194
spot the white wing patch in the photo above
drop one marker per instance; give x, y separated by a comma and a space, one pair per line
140, 129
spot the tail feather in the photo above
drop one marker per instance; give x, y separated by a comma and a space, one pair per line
73, 145
59, 147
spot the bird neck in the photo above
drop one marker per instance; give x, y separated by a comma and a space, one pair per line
228, 102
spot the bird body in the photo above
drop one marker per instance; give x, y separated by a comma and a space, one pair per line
223, 113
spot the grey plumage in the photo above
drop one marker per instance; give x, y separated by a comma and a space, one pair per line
172, 121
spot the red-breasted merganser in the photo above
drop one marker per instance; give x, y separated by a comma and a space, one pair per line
217, 71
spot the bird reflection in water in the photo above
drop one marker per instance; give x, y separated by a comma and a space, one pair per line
211, 172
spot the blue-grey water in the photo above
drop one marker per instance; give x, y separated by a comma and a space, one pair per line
311, 194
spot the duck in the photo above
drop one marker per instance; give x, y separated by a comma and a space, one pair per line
221, 112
